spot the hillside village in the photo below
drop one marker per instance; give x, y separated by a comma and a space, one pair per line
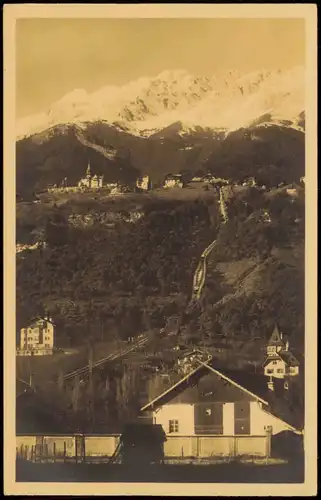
94, 182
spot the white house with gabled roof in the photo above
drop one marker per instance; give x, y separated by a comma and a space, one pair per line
210, 401
280, 362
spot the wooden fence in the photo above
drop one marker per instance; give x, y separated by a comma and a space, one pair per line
99, 448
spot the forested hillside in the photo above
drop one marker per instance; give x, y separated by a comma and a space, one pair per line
116, 281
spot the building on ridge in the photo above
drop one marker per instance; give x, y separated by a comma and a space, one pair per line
91, 181
173, 180
143, 183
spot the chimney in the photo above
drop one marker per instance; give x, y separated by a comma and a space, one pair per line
287, 345
271, 384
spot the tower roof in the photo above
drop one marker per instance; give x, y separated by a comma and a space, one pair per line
275, 338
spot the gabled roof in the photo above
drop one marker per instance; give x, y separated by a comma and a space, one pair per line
275, 338
268, 359
203, 374
286, 356
289, 358
207, 384
173, 176
37, 318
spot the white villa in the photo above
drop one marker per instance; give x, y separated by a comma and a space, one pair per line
37, 338
280, 362
143, 183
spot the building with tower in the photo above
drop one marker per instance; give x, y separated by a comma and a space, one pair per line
91, 181
280, 362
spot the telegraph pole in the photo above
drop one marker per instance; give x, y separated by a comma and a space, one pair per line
91, 385
30, 370
90, 364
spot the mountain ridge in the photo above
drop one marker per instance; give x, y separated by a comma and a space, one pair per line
148, 105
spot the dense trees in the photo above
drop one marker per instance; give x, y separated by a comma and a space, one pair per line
120, 269
137, 274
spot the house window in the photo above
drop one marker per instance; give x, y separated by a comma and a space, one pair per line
280, 370
208, 411
269, 371
173, 426
274, 362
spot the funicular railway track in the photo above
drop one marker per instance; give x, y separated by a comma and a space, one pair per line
199, 277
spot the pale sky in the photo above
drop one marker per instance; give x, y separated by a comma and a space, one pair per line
55, 56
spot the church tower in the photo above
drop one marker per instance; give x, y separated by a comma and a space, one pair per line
88, 179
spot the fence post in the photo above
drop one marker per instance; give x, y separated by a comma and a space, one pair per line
54, 451
64, 451
268, 443
83, 449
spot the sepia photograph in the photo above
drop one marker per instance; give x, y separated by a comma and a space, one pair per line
159, 322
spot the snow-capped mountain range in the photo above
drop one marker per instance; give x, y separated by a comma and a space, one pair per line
148, 105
